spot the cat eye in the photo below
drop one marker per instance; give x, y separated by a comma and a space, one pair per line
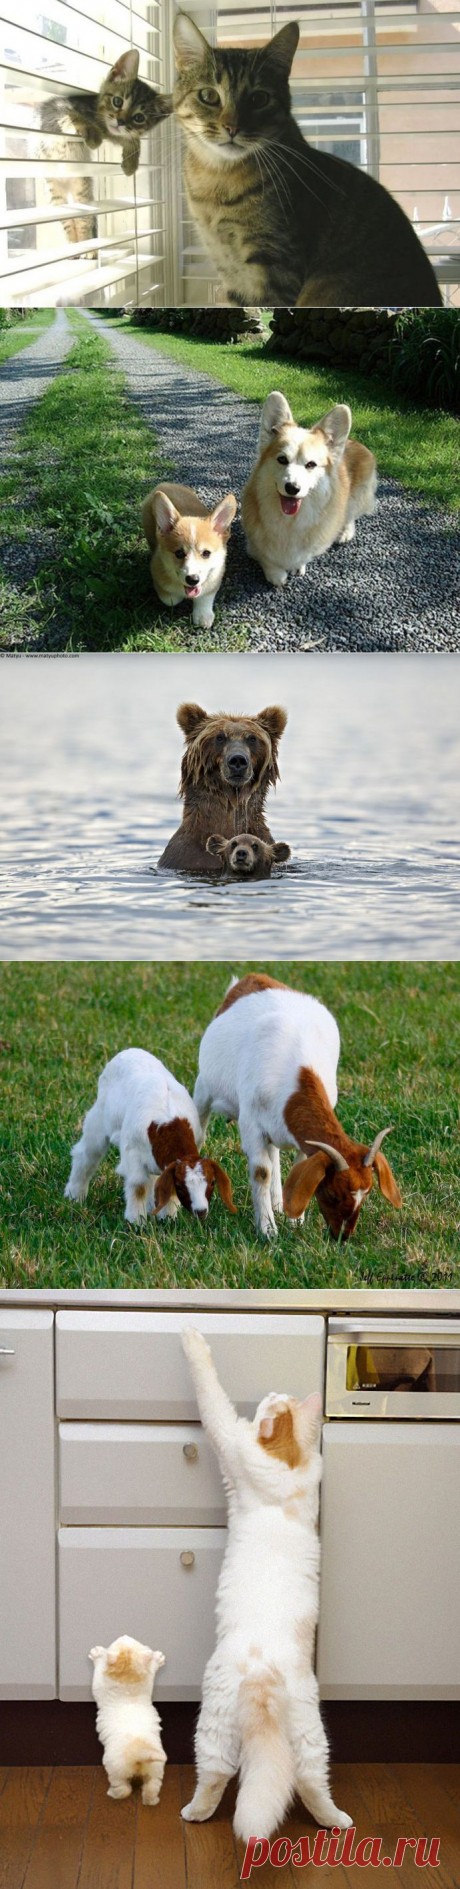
180, 555
138, 118
117, 102
260, 98
283, 459
208, 96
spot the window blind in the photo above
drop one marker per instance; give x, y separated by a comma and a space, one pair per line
374, 81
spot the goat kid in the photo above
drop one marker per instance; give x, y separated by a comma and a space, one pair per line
269, 1060
144, 1112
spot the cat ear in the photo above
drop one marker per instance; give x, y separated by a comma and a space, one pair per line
282, 48
313, 1403
224, 512
266, 1427
190, 718
127, 66
164, 513
281, 851
191, 45
275, 414
335, 426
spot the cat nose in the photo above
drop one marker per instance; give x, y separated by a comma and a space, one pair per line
232, 130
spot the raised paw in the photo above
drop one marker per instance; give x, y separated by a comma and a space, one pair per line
194, 1344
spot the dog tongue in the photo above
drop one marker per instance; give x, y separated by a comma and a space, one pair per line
192, 593
290, 506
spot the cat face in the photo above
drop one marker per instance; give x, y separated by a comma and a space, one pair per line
235, 102
128, 107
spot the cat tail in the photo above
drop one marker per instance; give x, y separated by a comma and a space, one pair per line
141, 1753
267, 1772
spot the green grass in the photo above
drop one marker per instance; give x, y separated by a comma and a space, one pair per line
85, 462
417, 445
20, 335
400, 1028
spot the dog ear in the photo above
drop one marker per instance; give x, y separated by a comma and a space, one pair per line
301, 1184
126, 67
165, 1187
215, 843
274, 721
190, 718
164, 512
97, 1652
281, 850
386, 1180
335, 426
275, 414
223, 514
223, 1185
282, 48
190, 45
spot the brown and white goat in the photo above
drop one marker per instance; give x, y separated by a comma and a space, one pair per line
144, 1112
268, 1060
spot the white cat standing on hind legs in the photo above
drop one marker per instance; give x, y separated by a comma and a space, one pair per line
260, 1710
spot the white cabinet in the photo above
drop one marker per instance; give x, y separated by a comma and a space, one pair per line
27, 1527
390, 1525
158, 1584
131, 1365
139, 1473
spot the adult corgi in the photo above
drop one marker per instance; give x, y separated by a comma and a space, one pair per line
189, 547
306, 491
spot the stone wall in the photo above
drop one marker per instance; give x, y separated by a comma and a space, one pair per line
208, 324
345, 337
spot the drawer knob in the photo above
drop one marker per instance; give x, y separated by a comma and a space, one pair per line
187, 1558
190, 1451
6, 1352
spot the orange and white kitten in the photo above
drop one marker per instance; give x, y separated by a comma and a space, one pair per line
260, 1712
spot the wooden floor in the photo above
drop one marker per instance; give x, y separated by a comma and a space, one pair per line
59, 1830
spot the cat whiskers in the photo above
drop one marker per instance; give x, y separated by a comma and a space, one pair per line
307, 161
276, 177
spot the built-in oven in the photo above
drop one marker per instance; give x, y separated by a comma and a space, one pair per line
398, 1367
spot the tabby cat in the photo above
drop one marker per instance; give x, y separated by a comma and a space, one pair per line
283, 223
123, 110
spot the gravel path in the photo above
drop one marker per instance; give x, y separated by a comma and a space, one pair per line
396, 586
26, 376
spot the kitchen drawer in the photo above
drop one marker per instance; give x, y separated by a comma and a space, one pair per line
133, 1580
137, 1473
131, 1365
27, 1521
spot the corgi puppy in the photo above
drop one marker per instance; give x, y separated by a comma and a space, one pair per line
127, 1723
306, 491
245, 856
189, 547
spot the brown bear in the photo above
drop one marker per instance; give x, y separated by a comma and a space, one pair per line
230, 762
246, 857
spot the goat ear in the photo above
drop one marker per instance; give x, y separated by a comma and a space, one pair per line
224, 1186
190, 718
336, 426
191, 45
165, 513
223, 514
215, 843
127, 66
281, 851
386, 1180
275, 414
274, 721
302, 1182
165, 1187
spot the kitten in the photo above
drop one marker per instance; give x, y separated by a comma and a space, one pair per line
127, 1723
123, 110
260, 1713
284, 223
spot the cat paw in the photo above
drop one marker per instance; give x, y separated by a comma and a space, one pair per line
341, 1819
119, 1790
130, 160
194, 1344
